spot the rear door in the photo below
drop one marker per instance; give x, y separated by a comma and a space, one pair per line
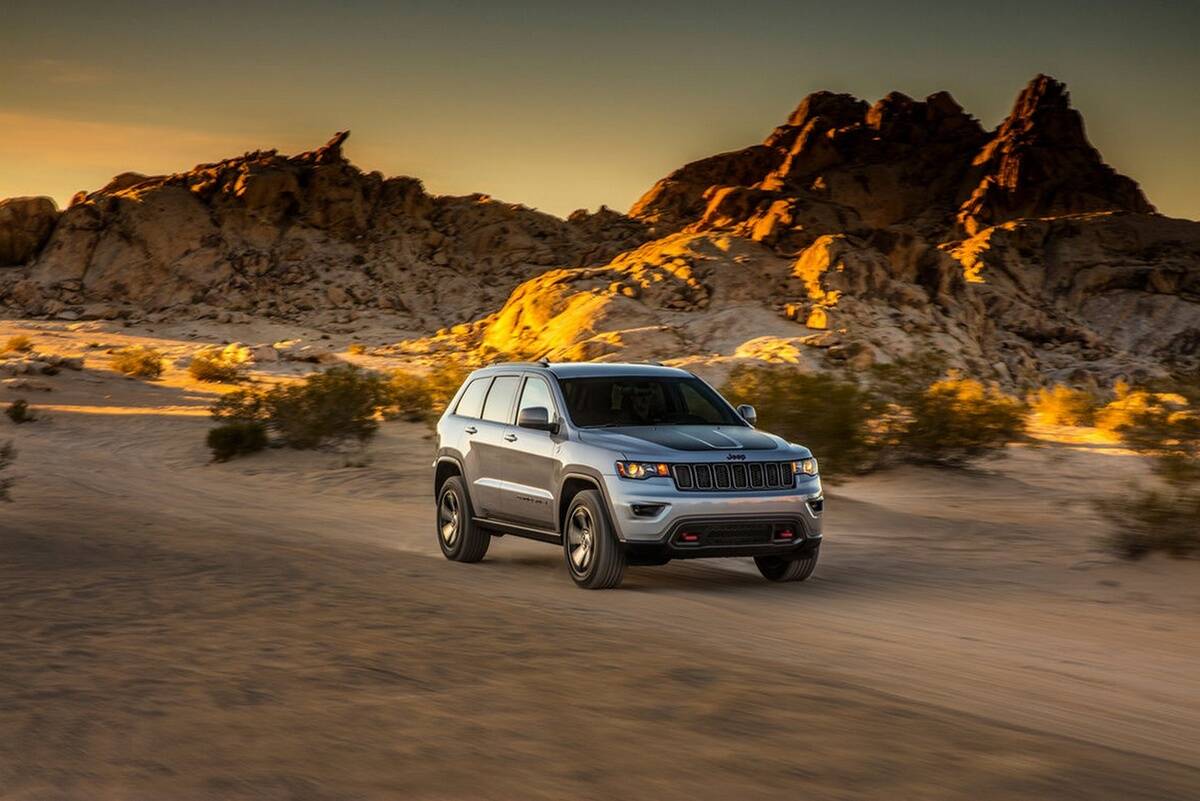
489, 446
530, 462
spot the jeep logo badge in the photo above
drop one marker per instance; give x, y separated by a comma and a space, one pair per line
741, 457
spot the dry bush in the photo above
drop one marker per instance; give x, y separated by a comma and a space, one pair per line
1061, 405
356, 349
7, 454
139, 361
216, 366
236, 439
1164, 424
18, 412
409, 397
18, 344
830, 417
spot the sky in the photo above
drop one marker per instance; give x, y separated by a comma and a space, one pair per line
559, 105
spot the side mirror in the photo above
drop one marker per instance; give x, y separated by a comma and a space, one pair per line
748, 414
537, 418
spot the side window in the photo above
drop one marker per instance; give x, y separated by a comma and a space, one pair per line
498, 406
536, 393
471, 403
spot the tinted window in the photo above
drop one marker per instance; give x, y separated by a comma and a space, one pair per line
536, 393
642, 401
471, 403
498, 407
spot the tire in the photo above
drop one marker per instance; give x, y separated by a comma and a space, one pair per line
777, 568
460, 539
593, 555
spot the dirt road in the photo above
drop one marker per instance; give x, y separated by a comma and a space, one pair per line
283, 628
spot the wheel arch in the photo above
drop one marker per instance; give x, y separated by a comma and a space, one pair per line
572, 484
446, 466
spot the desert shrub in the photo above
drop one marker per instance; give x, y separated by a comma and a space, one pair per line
237, 439
1148, 520
18, 344
958, 420
830, 417
1061, 405
243, 405
216, 366
18, 412
7, 454
340, 403
356, 349
444, 380
1164, 424
138, 361
409, 397
934, 416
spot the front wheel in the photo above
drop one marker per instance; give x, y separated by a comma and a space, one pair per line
777, 568
594, 557
460, 539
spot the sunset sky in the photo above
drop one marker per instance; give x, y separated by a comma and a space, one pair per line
559, 105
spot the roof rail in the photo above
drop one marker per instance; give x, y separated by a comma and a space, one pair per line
538, 363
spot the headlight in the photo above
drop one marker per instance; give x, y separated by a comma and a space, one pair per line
642, 469
806, 466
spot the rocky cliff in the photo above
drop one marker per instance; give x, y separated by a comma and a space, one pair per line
854, 233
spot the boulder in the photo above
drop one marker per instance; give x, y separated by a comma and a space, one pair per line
25, 225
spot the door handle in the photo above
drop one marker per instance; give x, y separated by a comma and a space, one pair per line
510, 437
470, 429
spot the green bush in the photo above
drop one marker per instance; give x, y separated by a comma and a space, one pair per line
213, 365
18, 344
910, 413
18, 412
138, 361
340, 403
830, 417
236, 439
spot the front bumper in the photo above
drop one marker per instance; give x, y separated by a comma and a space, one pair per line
648, 514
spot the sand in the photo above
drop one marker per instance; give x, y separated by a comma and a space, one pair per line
283, 627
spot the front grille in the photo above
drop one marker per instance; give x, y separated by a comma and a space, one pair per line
741, 476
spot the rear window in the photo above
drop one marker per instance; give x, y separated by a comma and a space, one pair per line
471, 402
498, 407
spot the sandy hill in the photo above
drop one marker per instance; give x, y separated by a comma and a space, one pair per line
852, 234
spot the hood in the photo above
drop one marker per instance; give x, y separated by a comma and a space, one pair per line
648, 440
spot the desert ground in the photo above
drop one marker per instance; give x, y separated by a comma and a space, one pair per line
284, 627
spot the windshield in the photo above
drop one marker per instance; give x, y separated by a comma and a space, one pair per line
613, 401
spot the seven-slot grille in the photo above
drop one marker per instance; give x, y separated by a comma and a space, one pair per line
723, 476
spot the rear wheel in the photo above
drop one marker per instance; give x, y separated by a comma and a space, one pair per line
460, 539
777, 568
594, 557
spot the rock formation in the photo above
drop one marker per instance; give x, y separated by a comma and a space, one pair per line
854, 233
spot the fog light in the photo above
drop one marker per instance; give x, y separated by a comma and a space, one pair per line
646, 509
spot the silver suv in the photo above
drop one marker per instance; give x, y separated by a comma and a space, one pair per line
620, 464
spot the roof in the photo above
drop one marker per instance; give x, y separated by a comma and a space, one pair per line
593, 369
